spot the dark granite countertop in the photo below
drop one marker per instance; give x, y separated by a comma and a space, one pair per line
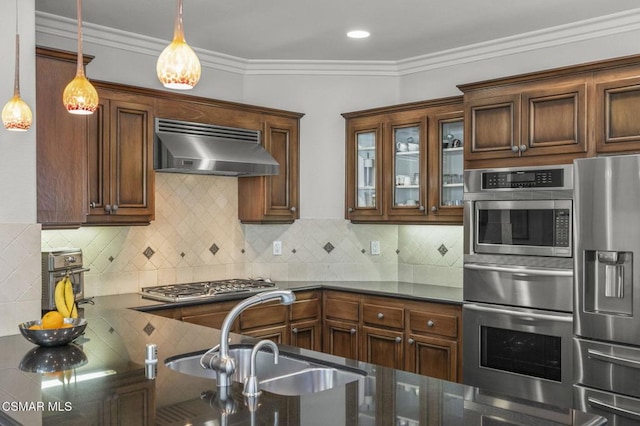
102, 388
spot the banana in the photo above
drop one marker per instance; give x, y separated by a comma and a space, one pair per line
61, 306
69, 297
74, 311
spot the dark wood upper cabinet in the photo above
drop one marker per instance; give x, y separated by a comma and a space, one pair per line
617, 114
60, 144
120, 144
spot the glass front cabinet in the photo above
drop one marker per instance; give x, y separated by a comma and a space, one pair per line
404, 164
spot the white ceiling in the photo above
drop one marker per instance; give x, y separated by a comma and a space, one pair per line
315, 30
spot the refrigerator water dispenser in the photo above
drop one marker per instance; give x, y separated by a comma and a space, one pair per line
608, 282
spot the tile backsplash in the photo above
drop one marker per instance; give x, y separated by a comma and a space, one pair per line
196, 236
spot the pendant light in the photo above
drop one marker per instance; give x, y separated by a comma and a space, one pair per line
16, 114
178, 66
80, 97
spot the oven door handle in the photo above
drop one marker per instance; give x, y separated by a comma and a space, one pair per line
613, 409
521, 270
526, 315
612, 359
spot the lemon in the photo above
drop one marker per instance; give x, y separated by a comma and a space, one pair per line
35, 327
52, 319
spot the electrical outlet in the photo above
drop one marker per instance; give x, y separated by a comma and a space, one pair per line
277, 248
375, 248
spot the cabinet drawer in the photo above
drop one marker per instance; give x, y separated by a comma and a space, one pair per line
342, 309
261, 316
383, 315
305, 309
426, 322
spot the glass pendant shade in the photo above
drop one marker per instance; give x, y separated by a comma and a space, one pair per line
16, 114
178, 66
80, 97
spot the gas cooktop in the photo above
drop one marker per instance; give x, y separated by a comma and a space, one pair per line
205, 289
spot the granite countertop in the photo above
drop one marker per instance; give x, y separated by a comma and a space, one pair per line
96, 380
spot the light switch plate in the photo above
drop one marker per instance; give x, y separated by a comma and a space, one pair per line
277, 248
375, 248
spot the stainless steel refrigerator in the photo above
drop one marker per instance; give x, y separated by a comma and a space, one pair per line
607, 287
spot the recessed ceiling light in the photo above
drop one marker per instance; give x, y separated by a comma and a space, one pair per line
358, 34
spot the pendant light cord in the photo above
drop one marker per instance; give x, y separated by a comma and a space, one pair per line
80, 68
16, 84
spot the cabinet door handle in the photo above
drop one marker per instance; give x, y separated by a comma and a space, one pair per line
434, 209
107, 208
523, 148
398, 339
411, 341
294, 330
92, 205
380, 315
350, 209
515, 149
114, 208
421, 208
352, 331
293, 209
430, 323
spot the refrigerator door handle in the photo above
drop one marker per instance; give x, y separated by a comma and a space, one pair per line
613, 409
625, 362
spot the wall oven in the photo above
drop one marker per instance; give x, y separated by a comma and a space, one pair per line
518, 282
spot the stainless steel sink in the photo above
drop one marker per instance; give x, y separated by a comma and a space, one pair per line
310, 380
291, 376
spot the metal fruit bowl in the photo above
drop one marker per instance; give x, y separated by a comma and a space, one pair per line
53, 336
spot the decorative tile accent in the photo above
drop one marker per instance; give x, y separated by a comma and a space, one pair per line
442, 249
293, 251
111, 258
328, 247
363, 251
397, 251
242, 251
111, 330
149, 328
182, 254
148, 252
214, 249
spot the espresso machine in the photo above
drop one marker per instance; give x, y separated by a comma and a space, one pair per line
56, 264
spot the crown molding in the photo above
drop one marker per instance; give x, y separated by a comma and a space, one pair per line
603, 26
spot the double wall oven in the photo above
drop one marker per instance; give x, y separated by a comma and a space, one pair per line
518, 282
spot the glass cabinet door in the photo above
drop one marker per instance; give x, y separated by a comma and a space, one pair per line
406, 148
452, 166
366, 170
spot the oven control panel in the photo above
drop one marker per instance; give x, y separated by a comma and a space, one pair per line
548, 178
563, 227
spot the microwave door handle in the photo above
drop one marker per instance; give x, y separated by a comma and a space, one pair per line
612, 359
613, 409
524, 271
524, 315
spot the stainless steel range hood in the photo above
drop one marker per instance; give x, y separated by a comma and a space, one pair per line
186, 147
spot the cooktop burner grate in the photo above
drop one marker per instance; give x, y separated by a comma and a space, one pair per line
205, 289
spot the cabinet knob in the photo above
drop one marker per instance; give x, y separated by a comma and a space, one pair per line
293, 209
430, 323
434, 209
523, 148
411, 341
92, 205
352, 331
107, 208
114, 208
421, 208
380, 315
515, 149
398, 339
350, 209
294, 330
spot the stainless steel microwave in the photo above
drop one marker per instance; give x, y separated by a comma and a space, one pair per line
525, 211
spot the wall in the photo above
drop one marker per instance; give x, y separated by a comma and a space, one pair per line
19, 233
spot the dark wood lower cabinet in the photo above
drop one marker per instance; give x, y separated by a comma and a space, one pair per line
277, 334
306, 335
383, 347
431, 356
340, 338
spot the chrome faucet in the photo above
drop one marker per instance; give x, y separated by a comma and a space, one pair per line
223, 363
251, 383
